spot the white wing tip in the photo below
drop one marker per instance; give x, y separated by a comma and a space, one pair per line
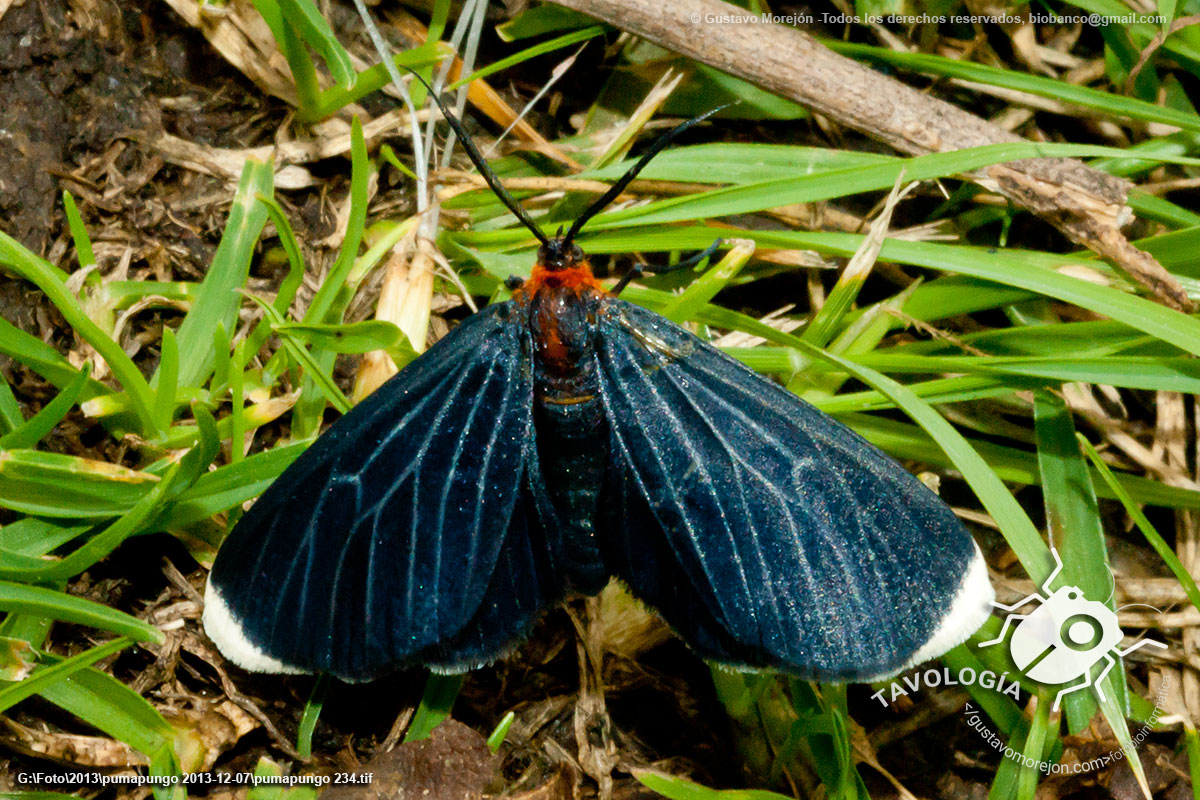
226, 632
971, 607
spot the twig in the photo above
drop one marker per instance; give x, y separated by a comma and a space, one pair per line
1085, 204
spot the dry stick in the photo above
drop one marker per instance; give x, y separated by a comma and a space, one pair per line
1085, 204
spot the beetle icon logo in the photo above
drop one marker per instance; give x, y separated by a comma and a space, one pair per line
1064, 637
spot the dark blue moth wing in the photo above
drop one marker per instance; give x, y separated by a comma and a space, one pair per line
765, 532
401, 535
528, 578
525, 582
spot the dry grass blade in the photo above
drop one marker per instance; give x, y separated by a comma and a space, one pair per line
243, 39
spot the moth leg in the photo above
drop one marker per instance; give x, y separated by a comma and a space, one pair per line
659, 269
513, 282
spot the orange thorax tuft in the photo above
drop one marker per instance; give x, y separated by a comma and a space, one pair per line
578, 278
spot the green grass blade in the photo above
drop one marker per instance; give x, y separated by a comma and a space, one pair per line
549, 46
291, 248
1181, 44
264, 788
34, 537
102, 543
826, 322
1180, 143
436, 703
221, 352
330, 301
291, 45
109, 705
166, 379
1032, 749
314, 371
62, 486
739, 693
1021, 269
310, 716
1002, 710
371, 80
498, 734
16, 598
712, 281
540, 20
676, 788
79, 235
742, 162
323, 302
1192, 742
217, 298
1135, 513
291, 281
836, 183
1093, 102
1152, 207
11, 417
47, 278
1134, 372
934, 392
1073, 520
348, 337
165, 763
1011, 464
224, 488
237, 399
41, 423
306, 18
13, 693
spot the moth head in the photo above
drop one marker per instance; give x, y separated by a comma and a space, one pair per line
559, 253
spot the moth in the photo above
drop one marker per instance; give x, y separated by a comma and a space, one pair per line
553, 441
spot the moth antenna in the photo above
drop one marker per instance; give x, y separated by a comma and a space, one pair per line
615, 190
480, 164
